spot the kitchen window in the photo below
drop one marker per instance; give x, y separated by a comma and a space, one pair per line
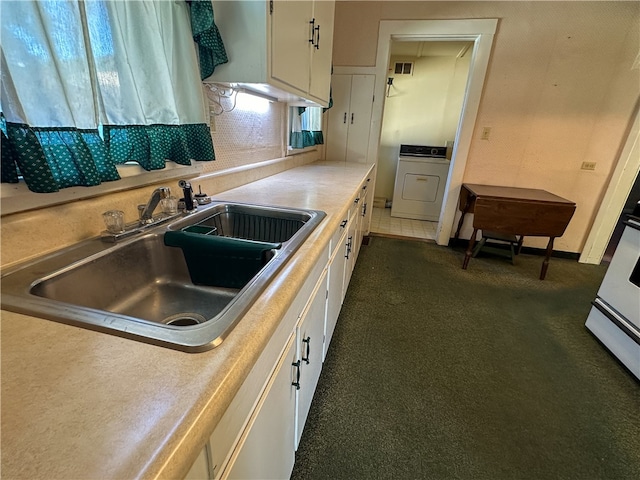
87, 86
305, 128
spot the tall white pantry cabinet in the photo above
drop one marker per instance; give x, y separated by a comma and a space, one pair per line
349, 120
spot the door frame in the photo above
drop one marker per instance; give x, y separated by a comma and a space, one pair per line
615, 196
478, 31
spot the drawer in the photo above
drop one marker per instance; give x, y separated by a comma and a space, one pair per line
623, 345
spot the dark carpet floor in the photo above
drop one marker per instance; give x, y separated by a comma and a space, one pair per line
439, 373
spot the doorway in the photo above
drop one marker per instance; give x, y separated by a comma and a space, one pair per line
426, 83
480, 33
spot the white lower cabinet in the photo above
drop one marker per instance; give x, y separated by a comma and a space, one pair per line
258, 434
311, 351
335, 284
267, 450
350, 251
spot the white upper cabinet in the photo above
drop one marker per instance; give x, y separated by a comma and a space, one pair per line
282, 48
291, 35
322, 51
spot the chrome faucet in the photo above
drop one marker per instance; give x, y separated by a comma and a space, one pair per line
146, 212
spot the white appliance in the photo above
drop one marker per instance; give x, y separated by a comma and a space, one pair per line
421, 178
615, 316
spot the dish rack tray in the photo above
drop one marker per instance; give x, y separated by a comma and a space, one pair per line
246, 226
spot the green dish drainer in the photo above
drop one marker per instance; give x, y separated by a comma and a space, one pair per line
216, 260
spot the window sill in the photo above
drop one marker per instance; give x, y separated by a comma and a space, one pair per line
296, 151
16, 197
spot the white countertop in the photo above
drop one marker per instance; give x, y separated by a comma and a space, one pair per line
83, 404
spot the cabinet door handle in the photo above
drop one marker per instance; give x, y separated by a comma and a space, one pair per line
318, 37
308, 342
343, 224
364, 210
313, 31
352, 119
345, 117
297, 382
356, 200
349, 240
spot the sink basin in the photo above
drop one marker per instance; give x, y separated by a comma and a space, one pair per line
188, 297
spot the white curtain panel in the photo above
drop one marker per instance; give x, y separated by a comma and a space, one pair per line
45, 83
296, 120
312, 119
151, 40
139, 48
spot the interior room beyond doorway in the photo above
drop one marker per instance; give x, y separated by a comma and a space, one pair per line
422, 106
384, 224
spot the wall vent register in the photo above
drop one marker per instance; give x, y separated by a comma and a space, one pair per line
403, 68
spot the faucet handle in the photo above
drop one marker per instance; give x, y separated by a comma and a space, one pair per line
187, 191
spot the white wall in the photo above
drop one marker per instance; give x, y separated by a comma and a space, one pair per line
421, 109
561, 89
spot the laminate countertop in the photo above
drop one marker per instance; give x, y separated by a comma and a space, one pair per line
83, 404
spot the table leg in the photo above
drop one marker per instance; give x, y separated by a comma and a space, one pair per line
545, 263
466, 208
469, 251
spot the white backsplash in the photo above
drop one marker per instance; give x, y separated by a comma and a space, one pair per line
243, 137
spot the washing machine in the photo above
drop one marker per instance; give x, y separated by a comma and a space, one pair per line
421, 178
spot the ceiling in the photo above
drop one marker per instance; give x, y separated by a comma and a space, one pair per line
430, 49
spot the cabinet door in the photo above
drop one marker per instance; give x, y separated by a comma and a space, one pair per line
366, 207
360, 105
290, 47
200, 468
338, 126
311, 344
336, 291
349, 252
266, 449
350, 117
323, 12
357, 239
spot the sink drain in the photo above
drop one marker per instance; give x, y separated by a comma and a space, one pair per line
184, 319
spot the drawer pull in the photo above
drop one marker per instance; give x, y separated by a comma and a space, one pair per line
308, 342
297, 382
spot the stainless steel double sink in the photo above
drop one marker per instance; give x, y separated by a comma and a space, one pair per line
147, 290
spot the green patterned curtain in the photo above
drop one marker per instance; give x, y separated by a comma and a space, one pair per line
8, 168
305, 139
151, 145
53, 158
205, 33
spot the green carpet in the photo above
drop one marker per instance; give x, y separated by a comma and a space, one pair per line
439, 373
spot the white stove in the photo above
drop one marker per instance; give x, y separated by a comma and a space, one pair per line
615, 316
